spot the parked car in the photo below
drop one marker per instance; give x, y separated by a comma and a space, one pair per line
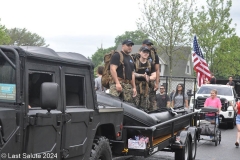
227, 96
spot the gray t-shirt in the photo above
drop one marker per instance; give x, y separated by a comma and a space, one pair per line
98, 84
178, 100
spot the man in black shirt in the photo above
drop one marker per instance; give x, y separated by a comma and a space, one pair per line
213, 79
231, 82
163, 100
123, 80
144, 73
155, 61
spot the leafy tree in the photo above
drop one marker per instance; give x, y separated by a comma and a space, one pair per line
226, 58
212, 26
167, 23
22, 37
97, 57
4, 38
136, 36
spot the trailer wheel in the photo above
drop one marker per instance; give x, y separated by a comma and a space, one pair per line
101, 149
185, 153
194, 147
195, 137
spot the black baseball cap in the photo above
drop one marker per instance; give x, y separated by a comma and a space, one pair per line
147, 41
144, 49
127, 42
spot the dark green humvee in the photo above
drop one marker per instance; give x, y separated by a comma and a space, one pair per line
48, 107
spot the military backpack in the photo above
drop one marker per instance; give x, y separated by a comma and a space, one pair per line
107, 77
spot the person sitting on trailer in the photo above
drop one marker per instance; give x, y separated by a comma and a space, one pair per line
214, 102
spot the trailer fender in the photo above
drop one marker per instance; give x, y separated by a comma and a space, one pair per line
193, 131
184, 135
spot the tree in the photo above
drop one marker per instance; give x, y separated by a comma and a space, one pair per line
136, 36
167, 23
97, 57
22, 37
212, 26
4, 38
226, 58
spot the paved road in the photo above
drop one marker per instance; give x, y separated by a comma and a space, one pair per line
207, 150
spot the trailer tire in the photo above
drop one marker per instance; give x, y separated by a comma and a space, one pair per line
101, 149
185, 153
194, 147
194, 134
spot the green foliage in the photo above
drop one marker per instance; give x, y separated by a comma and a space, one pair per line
22, 37
212, 26
226, 58
97, 57
4, 38
167, 23
136, 36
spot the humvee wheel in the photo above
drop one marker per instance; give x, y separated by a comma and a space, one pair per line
101, 149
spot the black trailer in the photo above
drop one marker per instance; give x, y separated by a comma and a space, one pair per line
170, 130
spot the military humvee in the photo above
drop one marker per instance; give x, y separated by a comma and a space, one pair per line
48, 107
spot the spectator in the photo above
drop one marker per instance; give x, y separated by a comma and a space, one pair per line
98, 80
213, 79
231, 82
180, 98
163, 100
206, 81
237, 108
215, 102
171, 94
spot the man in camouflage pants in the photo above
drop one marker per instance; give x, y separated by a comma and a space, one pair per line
153, 85
123, 80
144, 74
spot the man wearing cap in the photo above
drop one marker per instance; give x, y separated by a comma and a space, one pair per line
123, 80
155, 61
144, 74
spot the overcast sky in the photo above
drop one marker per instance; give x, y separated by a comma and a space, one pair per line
79, 25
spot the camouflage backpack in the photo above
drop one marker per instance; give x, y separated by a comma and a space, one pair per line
106, 77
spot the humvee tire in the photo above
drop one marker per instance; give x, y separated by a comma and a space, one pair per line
101, 149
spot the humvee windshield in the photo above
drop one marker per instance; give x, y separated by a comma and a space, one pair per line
7, 80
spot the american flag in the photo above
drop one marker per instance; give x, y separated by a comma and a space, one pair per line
199, 63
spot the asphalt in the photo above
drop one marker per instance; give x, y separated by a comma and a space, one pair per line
206, 150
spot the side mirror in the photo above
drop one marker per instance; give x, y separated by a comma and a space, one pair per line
49, 95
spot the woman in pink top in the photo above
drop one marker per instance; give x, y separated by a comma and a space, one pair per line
214, 102
237, 109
